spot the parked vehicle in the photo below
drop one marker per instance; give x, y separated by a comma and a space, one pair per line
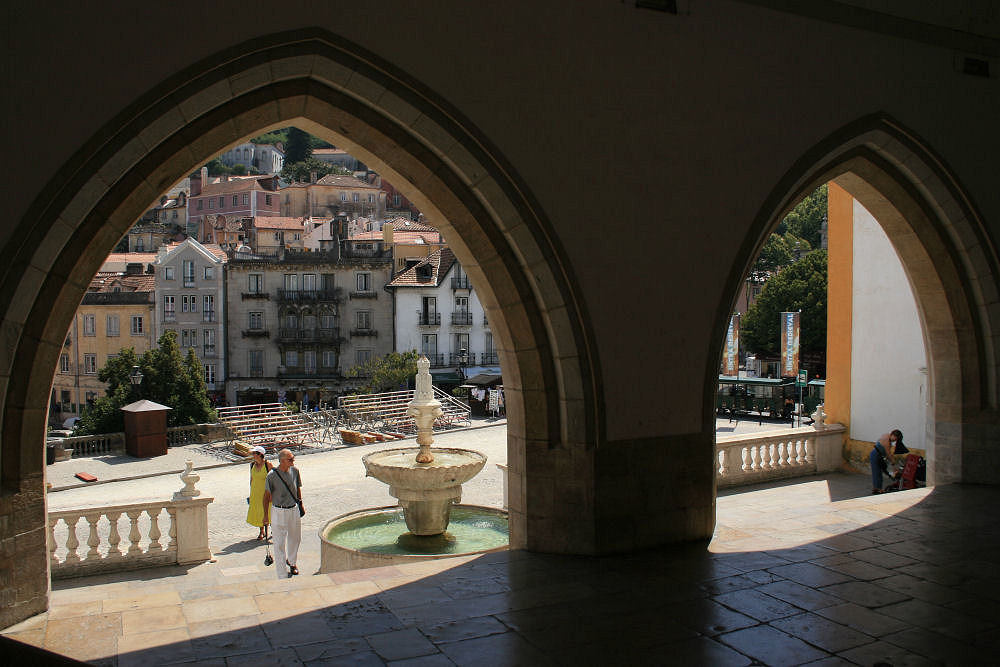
763, 397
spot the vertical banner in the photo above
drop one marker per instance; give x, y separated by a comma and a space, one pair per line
789, 344
731, 356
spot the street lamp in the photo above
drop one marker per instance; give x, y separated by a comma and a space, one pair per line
463, 360
135, 377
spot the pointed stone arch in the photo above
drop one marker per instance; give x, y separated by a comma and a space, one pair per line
433, 155
948, 256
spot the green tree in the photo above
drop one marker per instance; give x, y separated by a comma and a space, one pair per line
300, 171
239, 169
798, 287
386, 373
272, 137
168, 378
299, 145
806, 220
217, 167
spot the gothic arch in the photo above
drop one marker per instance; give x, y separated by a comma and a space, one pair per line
951, 262
336, 90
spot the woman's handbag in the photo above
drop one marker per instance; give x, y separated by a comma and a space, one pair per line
267, 559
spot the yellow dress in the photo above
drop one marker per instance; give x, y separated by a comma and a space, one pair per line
255, 512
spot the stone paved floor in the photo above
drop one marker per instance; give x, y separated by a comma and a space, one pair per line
802, 572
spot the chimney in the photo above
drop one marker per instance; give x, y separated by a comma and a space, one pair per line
387, 234
204, 176
133, 269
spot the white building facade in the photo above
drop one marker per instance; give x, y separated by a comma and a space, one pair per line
190, 300
267, 158
438, 313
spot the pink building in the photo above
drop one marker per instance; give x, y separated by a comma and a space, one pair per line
231, 198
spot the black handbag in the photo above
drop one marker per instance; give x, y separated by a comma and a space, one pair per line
268, 560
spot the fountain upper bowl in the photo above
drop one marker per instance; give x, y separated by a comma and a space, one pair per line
399, 467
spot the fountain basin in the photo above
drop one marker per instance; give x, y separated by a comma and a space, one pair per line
378, 537
398, 467
426, 491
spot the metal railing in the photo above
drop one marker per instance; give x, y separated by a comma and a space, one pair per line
428, 319
490, 358
462, 318
310, 296
460, 282
256, 333
364, 332
311, 334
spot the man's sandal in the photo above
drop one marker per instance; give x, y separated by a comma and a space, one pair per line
291, 568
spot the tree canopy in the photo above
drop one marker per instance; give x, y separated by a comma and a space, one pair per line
169, 378
392, 371
300, 171
798, 287
799, 233
298, 147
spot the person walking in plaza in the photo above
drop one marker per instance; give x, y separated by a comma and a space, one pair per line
282, 502
258, 472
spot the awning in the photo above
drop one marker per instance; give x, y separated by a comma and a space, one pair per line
484, 379
446, 377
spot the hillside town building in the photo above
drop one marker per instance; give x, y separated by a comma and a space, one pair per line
331, 195
116, 313
231, 197
265, 158
190, 301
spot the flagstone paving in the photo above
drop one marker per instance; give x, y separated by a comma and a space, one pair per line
910, 578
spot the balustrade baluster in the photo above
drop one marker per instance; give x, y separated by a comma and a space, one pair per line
810, 446
172, 532
723, 462
133, 534
781, 446
71, 542
747, 456
154, 530
800, 455
755, 455
93, 540
52, 542
765, 457
114, 538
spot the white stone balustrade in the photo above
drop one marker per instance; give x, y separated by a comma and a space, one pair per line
778, 454
182, 538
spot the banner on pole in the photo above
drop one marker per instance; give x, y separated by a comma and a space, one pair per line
789, 344
731, 356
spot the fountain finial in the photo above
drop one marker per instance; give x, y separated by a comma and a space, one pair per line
424, 409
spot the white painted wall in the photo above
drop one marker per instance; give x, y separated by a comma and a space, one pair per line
889, 382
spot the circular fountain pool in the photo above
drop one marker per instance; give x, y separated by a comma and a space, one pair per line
377, 537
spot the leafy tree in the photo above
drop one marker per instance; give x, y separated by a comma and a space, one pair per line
217, 167
272, 137
168, 379
385, 373
800, 286
299, 145
239, 169
806, 220
300, 171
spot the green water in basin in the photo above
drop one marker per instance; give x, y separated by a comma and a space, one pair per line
471, 529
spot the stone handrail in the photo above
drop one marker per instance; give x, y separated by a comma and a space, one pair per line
94, 445
778, 454
184, 538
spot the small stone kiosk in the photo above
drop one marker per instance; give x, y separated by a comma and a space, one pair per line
145, 428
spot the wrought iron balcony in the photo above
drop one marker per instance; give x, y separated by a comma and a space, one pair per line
256, 372
310, 335
490, 359
309, 296
462, 318
208, 316
364, 332
364, 294
455, 359
256, 333
437, 360
208, 351
308, 371
460, 282
255, 295
428, 319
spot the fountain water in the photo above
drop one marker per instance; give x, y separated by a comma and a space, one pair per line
428, 485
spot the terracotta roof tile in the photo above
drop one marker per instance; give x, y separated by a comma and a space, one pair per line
440, 262
278, 222
344, 182
233, 185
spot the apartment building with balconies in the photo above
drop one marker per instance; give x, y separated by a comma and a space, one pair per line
189, 297
298, 320
438, 313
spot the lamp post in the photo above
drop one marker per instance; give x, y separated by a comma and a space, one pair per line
135, 377
463, 360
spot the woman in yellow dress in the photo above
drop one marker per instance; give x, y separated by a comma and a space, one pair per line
258, 472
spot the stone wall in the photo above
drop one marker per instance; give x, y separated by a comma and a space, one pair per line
24, 570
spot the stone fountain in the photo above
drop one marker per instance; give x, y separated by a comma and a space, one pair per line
427, 482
